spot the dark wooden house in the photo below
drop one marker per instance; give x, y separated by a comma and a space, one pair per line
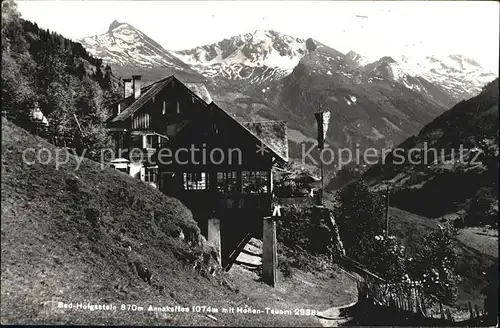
218, 167
146, 118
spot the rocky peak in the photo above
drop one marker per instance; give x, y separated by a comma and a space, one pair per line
114, 25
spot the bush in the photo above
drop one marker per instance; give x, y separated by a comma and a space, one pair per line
360, 217
435, 264
387, 258
479, 212
292, 230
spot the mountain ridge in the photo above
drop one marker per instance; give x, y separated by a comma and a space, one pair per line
438, 180
267, 75
266, 56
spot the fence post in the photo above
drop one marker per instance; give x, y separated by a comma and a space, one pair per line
470, 310
422, 301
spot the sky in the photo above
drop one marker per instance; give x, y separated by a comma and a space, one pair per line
373, 29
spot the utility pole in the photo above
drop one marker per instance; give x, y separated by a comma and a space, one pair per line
79, 126
322, 120
322, 184
387, 211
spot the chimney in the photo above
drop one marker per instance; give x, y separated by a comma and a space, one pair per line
127, 88
136, 80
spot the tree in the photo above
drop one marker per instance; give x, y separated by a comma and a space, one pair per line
43, 69
11, 28
80, 71
435, 262
17, 91
360, 217
106, 84
479, 212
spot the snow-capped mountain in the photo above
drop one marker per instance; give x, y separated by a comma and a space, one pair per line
269, 75
266, 56
360, 59
387, 68
370, 107
257, 57
125, 45
446, 80
460, 76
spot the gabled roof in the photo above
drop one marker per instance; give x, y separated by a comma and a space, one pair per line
272, 134
142, 100
200, 90
197, 89
143, 90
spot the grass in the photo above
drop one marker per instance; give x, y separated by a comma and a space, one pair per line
75, 235
481, 239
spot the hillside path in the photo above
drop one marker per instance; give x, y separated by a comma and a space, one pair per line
331, 317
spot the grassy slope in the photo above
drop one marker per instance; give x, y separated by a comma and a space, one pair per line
471, 264
52, 252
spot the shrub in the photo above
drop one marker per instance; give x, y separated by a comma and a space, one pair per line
435, 264
360, 217
387, 258
479, 212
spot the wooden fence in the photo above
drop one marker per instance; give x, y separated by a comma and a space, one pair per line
411, 299
404, 297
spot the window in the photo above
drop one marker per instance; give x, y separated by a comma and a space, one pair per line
136, 141
140, 121
178, 108
151, 141
120, 141
226, 182
195, 180
254, 182
151, 174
